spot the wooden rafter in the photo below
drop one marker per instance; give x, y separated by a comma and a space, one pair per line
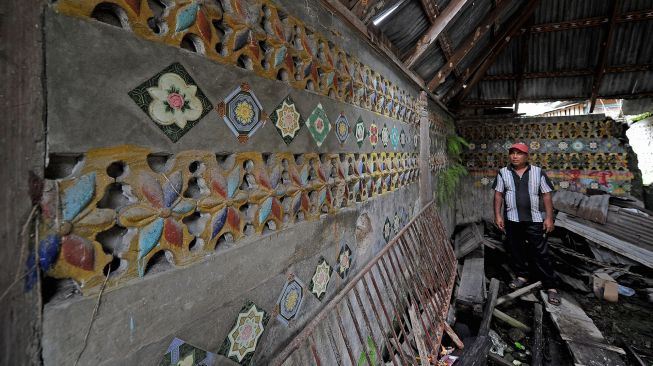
522, 15
632, 16
434, 30
431, 9
603, 54
521, 66
469, 43
479, 103
571, 73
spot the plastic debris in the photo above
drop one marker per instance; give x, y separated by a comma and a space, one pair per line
520, 346
447, 360
626, 291
498, 345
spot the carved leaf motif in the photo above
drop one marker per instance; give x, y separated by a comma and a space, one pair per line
151, 189
149, 237
48, 251
78, 251
186, 17
136, 215
173, 232
265, 210
172, 189
218, 222
203, 26
78, 196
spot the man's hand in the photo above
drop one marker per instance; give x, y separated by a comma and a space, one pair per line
548, 225
498, 220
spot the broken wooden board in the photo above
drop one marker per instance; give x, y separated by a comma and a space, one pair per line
638, 253
472, 283
467, 240
594, 208
583, 338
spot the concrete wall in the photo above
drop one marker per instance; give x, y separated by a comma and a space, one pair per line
91, 67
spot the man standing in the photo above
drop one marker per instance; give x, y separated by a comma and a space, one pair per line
526, 191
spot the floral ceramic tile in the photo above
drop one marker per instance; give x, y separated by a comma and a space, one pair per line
243, 337
344, 260
387, 230
172, 100
290, 300
374, 135
360, 132
287, 119
342, 128
396, 223
385, 136
402, 138
242, 112
318, 124
320, 279
394, 137
180, 353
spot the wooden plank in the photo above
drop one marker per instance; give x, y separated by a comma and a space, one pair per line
476, 355
538, 341
638, 15
418, 335
470, 290
594, 208
454, 337
628, 250
573, 324
431, 34
510, 320
467, 45
606, 43
484, 328
517, 293
467, 240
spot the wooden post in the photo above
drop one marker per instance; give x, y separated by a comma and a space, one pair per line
515, 294
425, 185
484, 329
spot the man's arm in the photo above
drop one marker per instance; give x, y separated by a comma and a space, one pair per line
498, 216
548, 207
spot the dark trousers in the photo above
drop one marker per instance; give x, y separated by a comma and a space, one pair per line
530, 253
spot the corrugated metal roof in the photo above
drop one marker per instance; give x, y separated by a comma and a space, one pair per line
575, 49
406, 25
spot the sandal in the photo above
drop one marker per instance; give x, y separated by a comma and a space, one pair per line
553, 297
517, 283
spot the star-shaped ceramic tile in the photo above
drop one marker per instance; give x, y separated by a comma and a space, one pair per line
287, 120
242, 112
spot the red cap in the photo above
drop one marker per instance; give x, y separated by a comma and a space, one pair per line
519, 146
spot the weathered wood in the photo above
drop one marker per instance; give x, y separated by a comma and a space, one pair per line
454, 337
484, 328
492, 52
510, 320
517, 293
499, 360
418, 335
634, 355
606, 43
476, 354
425, 191
468, 44
597, 344
538, 341
617, 69
628, 250
470, 290
467, 240
633, 16
521, 65
577, 329
594, 208
431, 34
22, 148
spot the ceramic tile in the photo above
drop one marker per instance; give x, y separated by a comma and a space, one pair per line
287, 120
172, 100
242, 112
318, 124
243, 338
320, 280
344, 260
387, 230
360, 131
342, 128
290, 300
374, 135
180, 353
385, 136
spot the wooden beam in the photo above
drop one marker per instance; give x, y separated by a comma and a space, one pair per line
603, 55
430, 7
632, 16
538, 340
434, 31
467, 45
521, 66
571, 73
484, 328
432, 11
500, 44
492, 103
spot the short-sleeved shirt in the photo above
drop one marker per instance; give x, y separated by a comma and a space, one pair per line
522, 196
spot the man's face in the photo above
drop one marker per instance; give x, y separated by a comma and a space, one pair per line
518, 158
